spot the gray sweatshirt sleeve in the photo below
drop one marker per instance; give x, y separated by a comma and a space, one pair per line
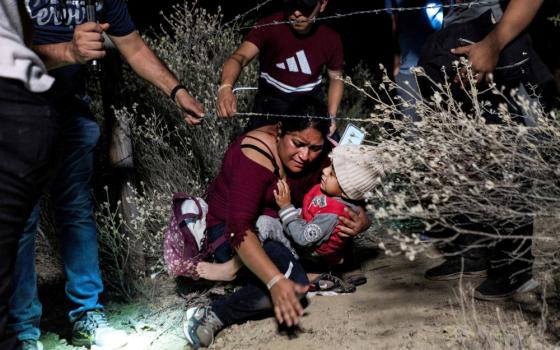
307, 233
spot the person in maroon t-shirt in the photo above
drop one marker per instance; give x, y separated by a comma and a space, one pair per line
291, 56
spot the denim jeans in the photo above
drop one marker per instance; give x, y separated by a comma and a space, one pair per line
409, 92
76, 229
253, 300
27, 136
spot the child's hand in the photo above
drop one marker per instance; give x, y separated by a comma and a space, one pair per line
282, 194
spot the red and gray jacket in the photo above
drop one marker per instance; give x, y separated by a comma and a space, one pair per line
316, 226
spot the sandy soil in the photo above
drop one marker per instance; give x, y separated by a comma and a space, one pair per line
396, 309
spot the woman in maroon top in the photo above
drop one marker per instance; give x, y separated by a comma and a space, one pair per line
274, 280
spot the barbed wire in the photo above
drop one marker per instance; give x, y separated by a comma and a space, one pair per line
375, 12
273, 115
246, 13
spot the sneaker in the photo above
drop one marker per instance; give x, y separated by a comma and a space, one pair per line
502, 288
201, 325
92, 328
31, 344
455, 268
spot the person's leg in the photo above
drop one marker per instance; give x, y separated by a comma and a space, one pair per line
253, 300
25, 307
466, 254
409, 92
74, 213
77, 232
26, 146
511, 263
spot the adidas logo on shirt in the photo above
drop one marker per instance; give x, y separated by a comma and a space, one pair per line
296, 64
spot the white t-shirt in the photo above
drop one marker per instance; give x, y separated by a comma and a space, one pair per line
17, 61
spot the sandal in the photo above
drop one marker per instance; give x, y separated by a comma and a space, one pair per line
329, 283
354, 277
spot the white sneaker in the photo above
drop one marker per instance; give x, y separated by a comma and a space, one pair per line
93, 330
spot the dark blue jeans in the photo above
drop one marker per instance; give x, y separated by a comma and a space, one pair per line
253, 300
73, 207
27, 136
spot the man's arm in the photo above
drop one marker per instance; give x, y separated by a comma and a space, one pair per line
336, 89
147, 65
484, 55
227, 103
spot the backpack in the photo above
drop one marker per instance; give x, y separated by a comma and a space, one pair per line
185, 242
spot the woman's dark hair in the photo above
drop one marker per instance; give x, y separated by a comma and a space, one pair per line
306, 106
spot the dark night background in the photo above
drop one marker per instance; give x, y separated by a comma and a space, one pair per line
366, 38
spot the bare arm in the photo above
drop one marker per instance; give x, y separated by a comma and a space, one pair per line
284, 293
484, 55
336, 89
227, 103
147, 65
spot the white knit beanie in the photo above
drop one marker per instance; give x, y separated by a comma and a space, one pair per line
358, 169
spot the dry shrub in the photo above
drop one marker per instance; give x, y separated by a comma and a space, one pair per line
170, 156
455, 163
489, 326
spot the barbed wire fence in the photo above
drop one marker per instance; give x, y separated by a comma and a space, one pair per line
337, 16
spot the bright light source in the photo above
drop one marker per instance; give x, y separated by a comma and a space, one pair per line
434, 12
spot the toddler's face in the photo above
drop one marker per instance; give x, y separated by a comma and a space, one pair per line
329, 182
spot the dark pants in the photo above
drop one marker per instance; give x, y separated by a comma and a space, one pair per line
504, 256
253, 300
27, 134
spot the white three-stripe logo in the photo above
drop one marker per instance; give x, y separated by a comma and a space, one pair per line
292, 63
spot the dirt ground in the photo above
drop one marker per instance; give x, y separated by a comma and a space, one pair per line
396, 309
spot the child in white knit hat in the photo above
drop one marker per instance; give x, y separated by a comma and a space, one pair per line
343, 184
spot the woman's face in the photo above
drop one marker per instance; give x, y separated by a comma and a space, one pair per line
299, 148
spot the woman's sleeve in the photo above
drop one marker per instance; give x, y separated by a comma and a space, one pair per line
247, 189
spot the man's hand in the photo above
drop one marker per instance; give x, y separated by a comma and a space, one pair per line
483, 56
282, 194
287, 307
358, 222
87, 42
227, 102
193, 111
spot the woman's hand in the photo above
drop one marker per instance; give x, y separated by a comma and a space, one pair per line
282, 194
358, 222
285, 297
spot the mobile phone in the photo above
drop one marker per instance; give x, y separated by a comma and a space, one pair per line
352, 135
